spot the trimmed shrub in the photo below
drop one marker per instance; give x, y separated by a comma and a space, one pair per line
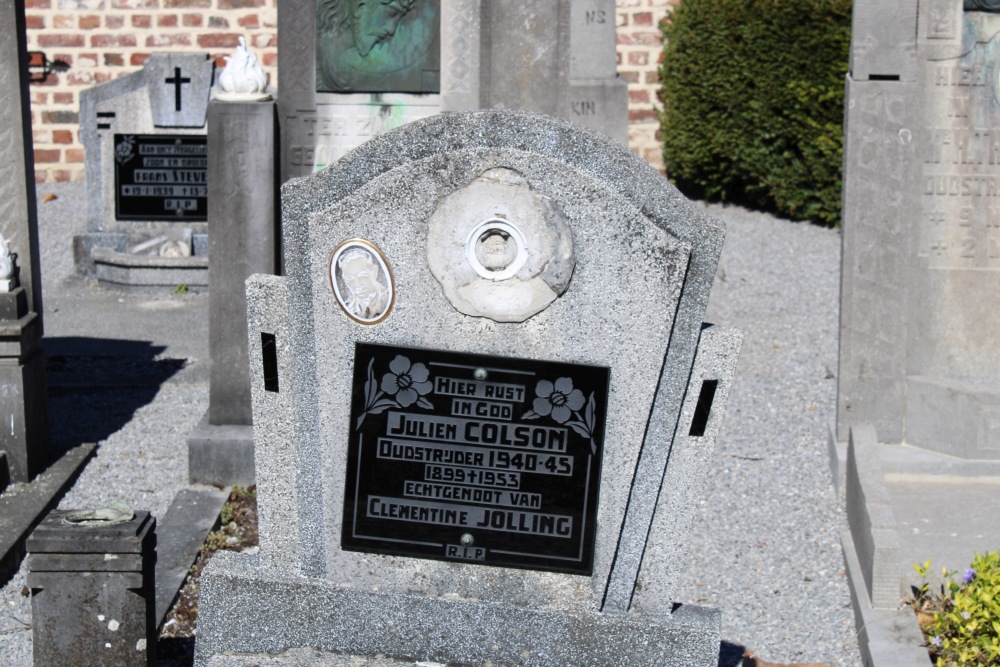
753, 95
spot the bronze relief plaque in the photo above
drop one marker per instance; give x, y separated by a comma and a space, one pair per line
474, 458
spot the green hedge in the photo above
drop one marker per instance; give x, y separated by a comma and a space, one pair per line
753, 96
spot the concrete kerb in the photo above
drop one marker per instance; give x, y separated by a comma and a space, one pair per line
888, 636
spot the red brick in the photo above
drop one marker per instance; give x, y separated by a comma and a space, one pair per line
652, 77
114, 60
267, 41
219, 41
142, 20
135, 4
49, 40
638, 58
159, 41
640, 96
166, 21
193, 20
89, 22
639, 38
43, 155
101, 77
34, 22
114, 22
62, 136
80, 78
642, 18
60, 117
51, 80
251, 21
86, 60
62, 175
74, 155
63, 98
39, 97
41, 176
105, 41
218, 23
269, 60
41, 136
631, 77
240, 4
138, 59
642, 115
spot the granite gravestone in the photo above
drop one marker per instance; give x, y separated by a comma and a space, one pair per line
350, 71
25, 436
146, 164
920, 322
484, 402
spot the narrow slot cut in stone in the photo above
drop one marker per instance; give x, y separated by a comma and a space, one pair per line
703, 410
269, 353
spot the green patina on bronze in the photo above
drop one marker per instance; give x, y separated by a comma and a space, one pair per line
379, 46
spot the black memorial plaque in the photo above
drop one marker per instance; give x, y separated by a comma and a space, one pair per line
161, 177
474, 458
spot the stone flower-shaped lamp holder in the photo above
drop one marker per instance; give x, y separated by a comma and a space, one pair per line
243, 79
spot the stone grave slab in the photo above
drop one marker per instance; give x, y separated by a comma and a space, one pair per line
351, 71
485, 358
146, 165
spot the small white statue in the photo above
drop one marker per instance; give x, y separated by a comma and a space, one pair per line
7, 280
243, 79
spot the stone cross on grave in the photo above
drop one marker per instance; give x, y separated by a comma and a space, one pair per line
178, 81
178, 87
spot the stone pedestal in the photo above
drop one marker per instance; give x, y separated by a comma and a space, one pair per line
244, 240
92, 592
23, 399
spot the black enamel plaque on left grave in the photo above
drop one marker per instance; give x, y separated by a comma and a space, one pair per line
161, 177
474, 458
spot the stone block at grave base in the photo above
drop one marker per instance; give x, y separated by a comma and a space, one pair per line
244, 609
127, 269
220, 453
972, 429
92, 600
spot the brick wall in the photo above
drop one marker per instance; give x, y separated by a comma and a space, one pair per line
102, 39
639, 50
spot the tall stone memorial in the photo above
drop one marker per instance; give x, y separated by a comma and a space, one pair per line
146, 163
484, 403
23, 398
920, 314
351, 70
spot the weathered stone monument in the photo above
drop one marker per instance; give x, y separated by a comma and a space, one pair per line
146, 163
23, 399
242, 212
91, 573
920, 312
484, 402
920, 322
350, 71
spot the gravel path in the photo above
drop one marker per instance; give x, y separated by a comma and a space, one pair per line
765, 547
765, 544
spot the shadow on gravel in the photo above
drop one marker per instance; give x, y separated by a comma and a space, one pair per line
95, 385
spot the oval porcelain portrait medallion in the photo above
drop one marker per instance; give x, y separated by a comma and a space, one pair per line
361, 281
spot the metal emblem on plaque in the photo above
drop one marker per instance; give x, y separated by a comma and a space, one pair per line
474, 458
361, 280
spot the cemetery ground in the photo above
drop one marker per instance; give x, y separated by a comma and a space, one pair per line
129, 371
